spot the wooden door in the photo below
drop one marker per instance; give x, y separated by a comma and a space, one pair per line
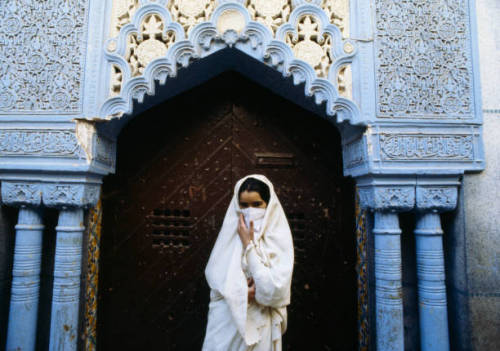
177, 167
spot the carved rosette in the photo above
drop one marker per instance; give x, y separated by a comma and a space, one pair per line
291, 35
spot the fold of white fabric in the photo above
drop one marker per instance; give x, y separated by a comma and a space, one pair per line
270, 264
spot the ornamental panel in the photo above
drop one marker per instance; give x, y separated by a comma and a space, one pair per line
36, 142
42, 50
423, 62
425, 147
306, 39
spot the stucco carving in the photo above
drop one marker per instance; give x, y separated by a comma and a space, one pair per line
42, 54
36, 142
387, 198
317, 55
122, 13
309, 45
426, 147
151, 42
423, 59
436, 198
190, 12
272, 13
77, 195
20, 193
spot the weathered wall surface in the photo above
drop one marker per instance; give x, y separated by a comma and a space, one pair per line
482, 193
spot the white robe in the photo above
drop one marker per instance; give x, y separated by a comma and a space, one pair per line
234, 324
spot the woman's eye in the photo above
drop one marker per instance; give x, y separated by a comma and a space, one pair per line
256, 204
243, 205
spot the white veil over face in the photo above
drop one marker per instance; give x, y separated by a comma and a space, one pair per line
274, 245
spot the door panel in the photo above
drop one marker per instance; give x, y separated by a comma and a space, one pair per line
165, 206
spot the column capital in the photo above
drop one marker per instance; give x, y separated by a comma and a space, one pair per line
21, 194
51, 194
387, 194
70, 194
437, 194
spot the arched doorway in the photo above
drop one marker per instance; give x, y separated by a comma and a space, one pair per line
177, 166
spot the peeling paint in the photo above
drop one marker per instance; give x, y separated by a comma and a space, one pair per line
85, 132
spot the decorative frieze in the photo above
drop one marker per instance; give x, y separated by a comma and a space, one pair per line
50, 194
423, 59
42, 51
38, 142
272, 13
425, 147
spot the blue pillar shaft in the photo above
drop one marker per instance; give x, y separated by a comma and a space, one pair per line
431, 283
21, 334
388, 291
67, 272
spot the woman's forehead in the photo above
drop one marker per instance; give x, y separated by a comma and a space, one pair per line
249, 196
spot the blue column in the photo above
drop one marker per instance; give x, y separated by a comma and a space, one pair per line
21, 334
388, 288
67, 272
431, 283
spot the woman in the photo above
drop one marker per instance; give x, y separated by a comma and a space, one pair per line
250, 272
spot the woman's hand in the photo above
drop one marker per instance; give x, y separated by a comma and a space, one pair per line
251, 289
246, 234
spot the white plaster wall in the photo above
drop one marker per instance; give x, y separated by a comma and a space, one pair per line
482, 193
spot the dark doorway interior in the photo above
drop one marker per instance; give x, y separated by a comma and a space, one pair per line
177, 166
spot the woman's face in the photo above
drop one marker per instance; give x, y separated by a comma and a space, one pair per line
251, 199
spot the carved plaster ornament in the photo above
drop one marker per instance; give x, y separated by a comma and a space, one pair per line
338, 13
426, 147
272, 13
122, 13
116, 80
42, 56
190, 12
310, 46
231, 20
436, 81
308, 37
149, 44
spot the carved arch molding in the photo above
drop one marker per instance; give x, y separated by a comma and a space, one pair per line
399, 79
